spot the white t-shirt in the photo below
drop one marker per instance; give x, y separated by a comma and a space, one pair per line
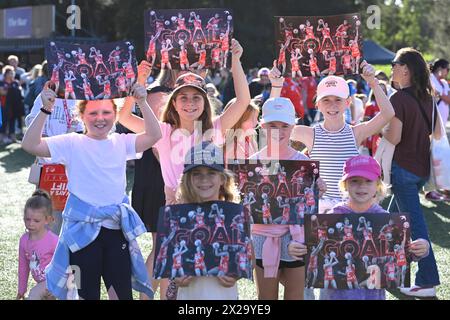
441, 86
207, 288
96, 169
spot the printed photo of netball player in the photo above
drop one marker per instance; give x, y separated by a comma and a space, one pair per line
180, 22
80, 56
86, 88
320, 229
390, 270
106, 83
281, 61
347, 62
213, 23
247, 203
313, 269
286, 207
348, 230
215, 56
182, 56
201, 62
177, 256
165, 48
300, 209
265, 210
114, 59
400, 258
329, 263
308, 29
326, 36
331, 59
373, 269
199, 217
341, 33
216, 213
225, 43
199, 260
242, 261
224, 263
310, 200
264, 173
69, 92
350, 272
159, 24
196, 20
281, 175
312, 64
161, 258
121, 84
354, 47
55, 75
386, 231
151, 50
98, 58
238, 224
367, 231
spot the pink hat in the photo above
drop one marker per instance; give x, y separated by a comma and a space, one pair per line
362, 166
332, 86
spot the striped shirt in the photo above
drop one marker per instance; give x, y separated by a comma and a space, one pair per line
332, 149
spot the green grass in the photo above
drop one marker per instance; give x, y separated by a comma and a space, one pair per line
14, 190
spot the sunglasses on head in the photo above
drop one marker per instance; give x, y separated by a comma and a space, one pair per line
393, 63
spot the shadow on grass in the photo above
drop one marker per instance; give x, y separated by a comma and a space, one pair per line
13, 158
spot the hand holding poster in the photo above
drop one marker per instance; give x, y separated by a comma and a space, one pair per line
204, 239
91, 72
352, 251
319, 45
188, 39
281, 193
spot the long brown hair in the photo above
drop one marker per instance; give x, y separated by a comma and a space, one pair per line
420, 73
228, 192
171, 116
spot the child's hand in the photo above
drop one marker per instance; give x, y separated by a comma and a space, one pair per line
236, 49
139, 93
297, 250
20, 297
183, 281
322, 185
48, 96
275, 77
227, 282
368, 73
144, 70
419, 247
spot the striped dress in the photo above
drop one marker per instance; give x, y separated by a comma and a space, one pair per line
332, 149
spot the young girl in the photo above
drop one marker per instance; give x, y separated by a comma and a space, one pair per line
274, 261
36, 246
206, 181
100, 228
334, 141
362, 182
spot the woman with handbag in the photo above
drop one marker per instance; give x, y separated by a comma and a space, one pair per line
410, 131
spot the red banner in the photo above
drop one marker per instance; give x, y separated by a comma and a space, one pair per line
54, 181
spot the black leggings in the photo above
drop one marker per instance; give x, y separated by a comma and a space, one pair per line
107, 256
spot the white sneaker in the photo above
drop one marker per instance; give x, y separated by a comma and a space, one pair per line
417, 291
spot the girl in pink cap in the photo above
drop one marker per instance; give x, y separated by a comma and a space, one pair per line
363, 185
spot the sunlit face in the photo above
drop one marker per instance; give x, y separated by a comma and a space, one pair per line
361, 190
278, 132
333, 107
156, 101
206, 183
189, 103
399, 71
99, 117
36, 220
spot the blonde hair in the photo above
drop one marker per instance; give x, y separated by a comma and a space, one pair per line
228, 192
252, 107
171, 116
379, 195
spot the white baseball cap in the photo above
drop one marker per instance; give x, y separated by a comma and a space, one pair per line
332, 86
278, 109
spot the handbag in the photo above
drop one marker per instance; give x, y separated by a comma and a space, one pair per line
439, 157
35, 173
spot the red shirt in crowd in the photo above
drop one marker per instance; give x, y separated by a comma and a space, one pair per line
293, 91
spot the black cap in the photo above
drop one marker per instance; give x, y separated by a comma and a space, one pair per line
205, 154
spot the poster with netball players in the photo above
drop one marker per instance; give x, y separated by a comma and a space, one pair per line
279, 192
352, 251
319, 45
188, 39
204, 239
91, 72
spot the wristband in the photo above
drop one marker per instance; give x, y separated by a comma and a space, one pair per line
46, 111
277, 86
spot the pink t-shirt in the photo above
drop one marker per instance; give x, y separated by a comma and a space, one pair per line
34, 256
173, 147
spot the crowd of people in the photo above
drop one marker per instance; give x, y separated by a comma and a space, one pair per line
339, 122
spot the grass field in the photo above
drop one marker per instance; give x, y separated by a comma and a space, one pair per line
14, 190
